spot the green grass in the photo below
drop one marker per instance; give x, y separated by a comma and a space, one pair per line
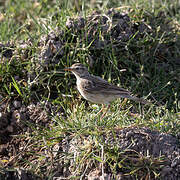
144, 76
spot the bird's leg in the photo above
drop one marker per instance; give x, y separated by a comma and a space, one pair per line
101, 110
105, 112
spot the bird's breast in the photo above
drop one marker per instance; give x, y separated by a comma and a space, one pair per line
98, 98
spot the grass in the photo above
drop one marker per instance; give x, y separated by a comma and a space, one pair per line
151, 72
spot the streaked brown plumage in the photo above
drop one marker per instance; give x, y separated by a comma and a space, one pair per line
96, 89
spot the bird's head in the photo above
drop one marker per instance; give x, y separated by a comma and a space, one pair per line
78, 70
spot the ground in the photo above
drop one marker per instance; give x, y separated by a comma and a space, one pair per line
47, 130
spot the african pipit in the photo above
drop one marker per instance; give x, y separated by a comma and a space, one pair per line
98, 90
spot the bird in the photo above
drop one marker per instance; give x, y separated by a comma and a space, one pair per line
97, 90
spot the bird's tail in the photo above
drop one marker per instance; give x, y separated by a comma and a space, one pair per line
140, 100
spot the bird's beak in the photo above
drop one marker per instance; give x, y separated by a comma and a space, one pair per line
68, 69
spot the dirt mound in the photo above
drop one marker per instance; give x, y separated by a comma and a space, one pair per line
130, 147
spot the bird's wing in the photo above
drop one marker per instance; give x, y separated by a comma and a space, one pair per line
98, 85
